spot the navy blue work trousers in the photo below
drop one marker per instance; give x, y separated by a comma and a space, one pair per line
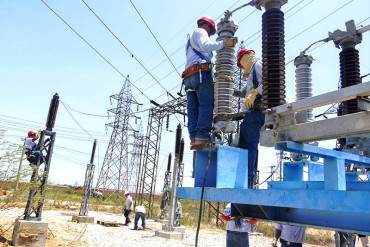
237, 239
199, 93
249, 138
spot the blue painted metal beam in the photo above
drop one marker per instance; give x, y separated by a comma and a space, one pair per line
339, 210
315, 185
322, 152
346, 222
335, 201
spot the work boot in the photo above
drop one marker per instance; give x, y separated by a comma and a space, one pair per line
199, 144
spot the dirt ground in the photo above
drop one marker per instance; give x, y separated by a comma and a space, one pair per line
63, 232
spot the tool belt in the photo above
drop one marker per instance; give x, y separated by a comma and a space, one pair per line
196, 68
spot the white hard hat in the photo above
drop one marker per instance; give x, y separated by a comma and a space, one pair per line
126, 192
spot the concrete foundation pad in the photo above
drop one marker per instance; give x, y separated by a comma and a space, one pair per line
179, 229
30, 233
170, 235
163, 221
175, 228
83, 219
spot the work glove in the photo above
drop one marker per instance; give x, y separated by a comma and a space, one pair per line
230, 42
249, 101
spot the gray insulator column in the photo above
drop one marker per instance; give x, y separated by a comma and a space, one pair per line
224, 85
303, 82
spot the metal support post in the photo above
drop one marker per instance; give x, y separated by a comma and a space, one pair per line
39, 177
174, 179
89, 176
165, 201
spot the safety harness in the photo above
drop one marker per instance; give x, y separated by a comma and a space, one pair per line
195, 68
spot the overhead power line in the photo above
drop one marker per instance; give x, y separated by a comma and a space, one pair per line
28, 124
85, 113
246, 17
155, 38
181, 47
319, 21
91, 46
125, 47
75, 120
318, 46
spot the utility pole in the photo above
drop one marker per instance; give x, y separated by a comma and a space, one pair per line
19, 169
89, 176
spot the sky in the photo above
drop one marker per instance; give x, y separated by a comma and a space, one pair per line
41, 56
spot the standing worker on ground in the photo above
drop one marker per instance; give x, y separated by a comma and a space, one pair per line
139, 214
289, 235
254, 117
128, 208
178, 213
237, 228
198, 80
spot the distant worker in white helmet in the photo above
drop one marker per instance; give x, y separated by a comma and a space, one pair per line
237, 228
128, 208
198, 80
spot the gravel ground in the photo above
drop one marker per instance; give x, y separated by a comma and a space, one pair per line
63, 232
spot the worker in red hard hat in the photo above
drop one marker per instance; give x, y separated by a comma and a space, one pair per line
32, 153
254, 117
198, 80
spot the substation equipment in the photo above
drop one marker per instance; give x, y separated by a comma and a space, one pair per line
333, 195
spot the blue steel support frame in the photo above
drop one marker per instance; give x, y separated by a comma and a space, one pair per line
333, 203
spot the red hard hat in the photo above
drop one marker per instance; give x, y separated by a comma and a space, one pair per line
31, 134
208, 20
241, 53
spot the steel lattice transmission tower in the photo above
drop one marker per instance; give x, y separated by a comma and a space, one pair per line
136, 154
115, 171
145, 187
